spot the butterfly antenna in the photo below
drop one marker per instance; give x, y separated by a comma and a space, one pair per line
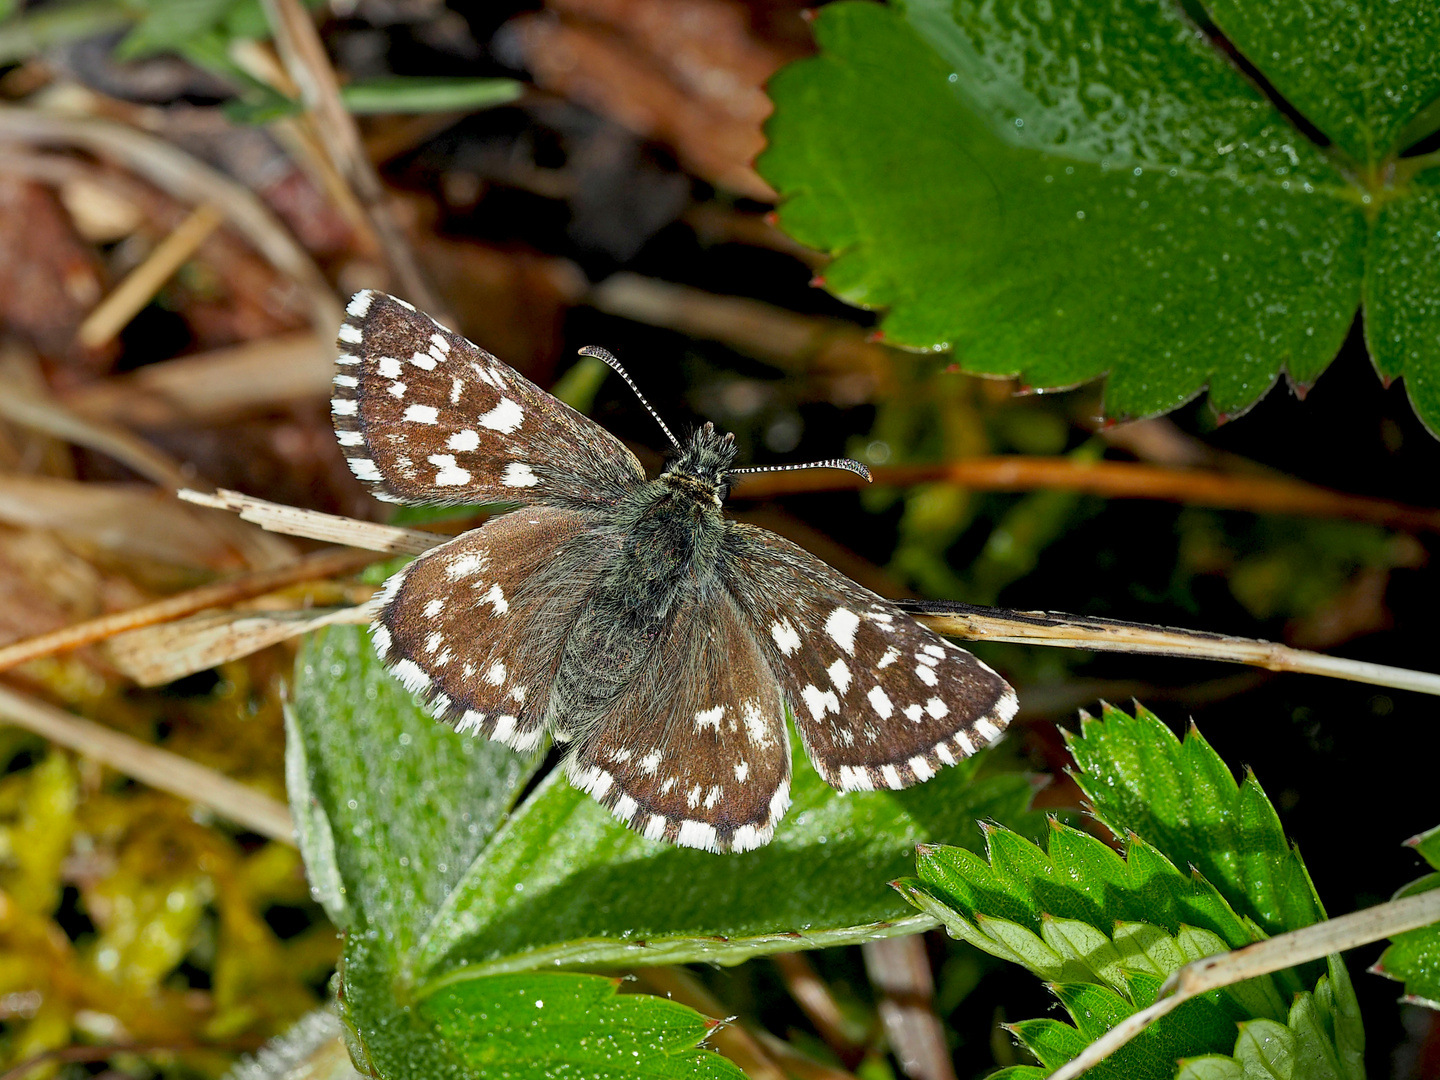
614, 365
848, 464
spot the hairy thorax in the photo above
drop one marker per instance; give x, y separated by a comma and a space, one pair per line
670, 533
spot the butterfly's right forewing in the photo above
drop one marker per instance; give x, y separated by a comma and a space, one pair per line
425, 416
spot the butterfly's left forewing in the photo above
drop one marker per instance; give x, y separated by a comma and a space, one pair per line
425, 416
477, 625
879, 700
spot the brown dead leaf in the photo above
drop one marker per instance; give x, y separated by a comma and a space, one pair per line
689, 73
49, 279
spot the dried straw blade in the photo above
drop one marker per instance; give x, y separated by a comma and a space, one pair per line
148, 764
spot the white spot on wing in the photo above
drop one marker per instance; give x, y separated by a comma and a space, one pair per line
819, 702
921, 768
465, 564
434, 607
986, 730
343, 407
698, 834
786, 639
388, 367
359, 304
504, 728
937, 708
654, 827
348, 381
350, 438
504, 418
925, 675
496, 599
914, 713
709, 718
450, 474
421, 414
839, 673
891, 655
351, 335
742, 771
518, 474
496, 675
841, 626
651, 763
880, 702
363, 468
891, 776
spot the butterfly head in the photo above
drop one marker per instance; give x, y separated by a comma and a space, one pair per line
706, 458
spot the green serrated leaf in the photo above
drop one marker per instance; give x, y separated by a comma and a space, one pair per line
409, 803
1359, 71
1062, 195
1180, 797
1210, 1067
1427, 846
537, 1024
563, 883
1267, 1050
1414, 956
422, 94
1066, 190
1315, 1057
312, 829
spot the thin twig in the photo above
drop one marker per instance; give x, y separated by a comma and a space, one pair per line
796, 1063
320, 564
958, 620
812, 994
156, 655
214, 385
159, 768
1116, 480
305, 59
187, 179
1113, 635
314, 525
1275, 954
136, 289
900, 970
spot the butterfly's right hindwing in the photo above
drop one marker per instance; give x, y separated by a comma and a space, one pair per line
424, 416
879, 701
477, 625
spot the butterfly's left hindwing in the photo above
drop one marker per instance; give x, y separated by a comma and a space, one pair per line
477, 625
879, 701
424, 416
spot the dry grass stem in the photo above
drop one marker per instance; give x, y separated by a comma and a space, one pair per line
900, 970
148, 764
56, 420
958, 620
1113, 635
331, 528
138, 287
187, 179
812, 994
156, 655
308, 65
132, 520
212, 386
1286, 950
320, 564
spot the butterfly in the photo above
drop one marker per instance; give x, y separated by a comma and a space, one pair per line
624, 617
